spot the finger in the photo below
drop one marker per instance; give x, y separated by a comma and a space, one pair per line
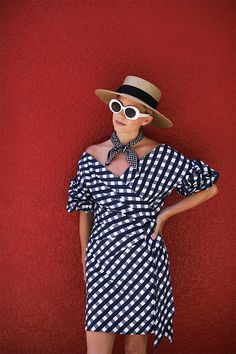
154, 235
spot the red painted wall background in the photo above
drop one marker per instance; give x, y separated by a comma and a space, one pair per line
54, 55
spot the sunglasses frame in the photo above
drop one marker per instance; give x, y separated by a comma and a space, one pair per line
123, 108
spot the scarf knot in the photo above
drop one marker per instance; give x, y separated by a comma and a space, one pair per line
130, 155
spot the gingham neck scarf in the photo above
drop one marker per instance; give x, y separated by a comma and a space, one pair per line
130, 155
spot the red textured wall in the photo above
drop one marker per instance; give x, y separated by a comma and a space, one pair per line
54, 55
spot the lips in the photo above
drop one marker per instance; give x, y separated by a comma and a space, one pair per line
120, 123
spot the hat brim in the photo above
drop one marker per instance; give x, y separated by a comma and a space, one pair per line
159, 120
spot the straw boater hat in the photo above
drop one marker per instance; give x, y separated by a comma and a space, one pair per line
141, 91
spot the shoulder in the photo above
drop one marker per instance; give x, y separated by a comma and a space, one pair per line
96, 147
98, 150
150, 143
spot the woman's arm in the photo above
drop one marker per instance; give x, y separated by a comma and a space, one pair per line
185, 204
85, 227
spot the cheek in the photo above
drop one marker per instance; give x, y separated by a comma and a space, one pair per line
114, 117
129, 123
137, 123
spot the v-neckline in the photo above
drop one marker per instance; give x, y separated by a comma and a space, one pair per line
129, 167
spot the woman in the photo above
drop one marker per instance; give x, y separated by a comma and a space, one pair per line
120, 187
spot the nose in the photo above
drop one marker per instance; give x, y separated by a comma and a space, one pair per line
122, 114
121, 117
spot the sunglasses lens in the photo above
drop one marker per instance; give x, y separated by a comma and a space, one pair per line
130, 113
116, 107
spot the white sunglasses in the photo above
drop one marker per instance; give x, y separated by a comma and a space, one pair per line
130, 112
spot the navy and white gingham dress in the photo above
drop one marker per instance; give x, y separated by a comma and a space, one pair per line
128, 282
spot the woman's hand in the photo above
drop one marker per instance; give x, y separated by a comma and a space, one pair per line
160, 221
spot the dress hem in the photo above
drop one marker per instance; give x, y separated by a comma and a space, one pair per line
92, 330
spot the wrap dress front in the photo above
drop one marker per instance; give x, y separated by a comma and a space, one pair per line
128, 282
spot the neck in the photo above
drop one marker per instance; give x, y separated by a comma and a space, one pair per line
126, 137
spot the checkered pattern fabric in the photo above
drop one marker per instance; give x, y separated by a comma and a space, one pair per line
128, 282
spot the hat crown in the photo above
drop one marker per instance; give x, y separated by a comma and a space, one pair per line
144, 85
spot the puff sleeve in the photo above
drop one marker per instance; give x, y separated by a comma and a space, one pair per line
79, 196
198, 177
